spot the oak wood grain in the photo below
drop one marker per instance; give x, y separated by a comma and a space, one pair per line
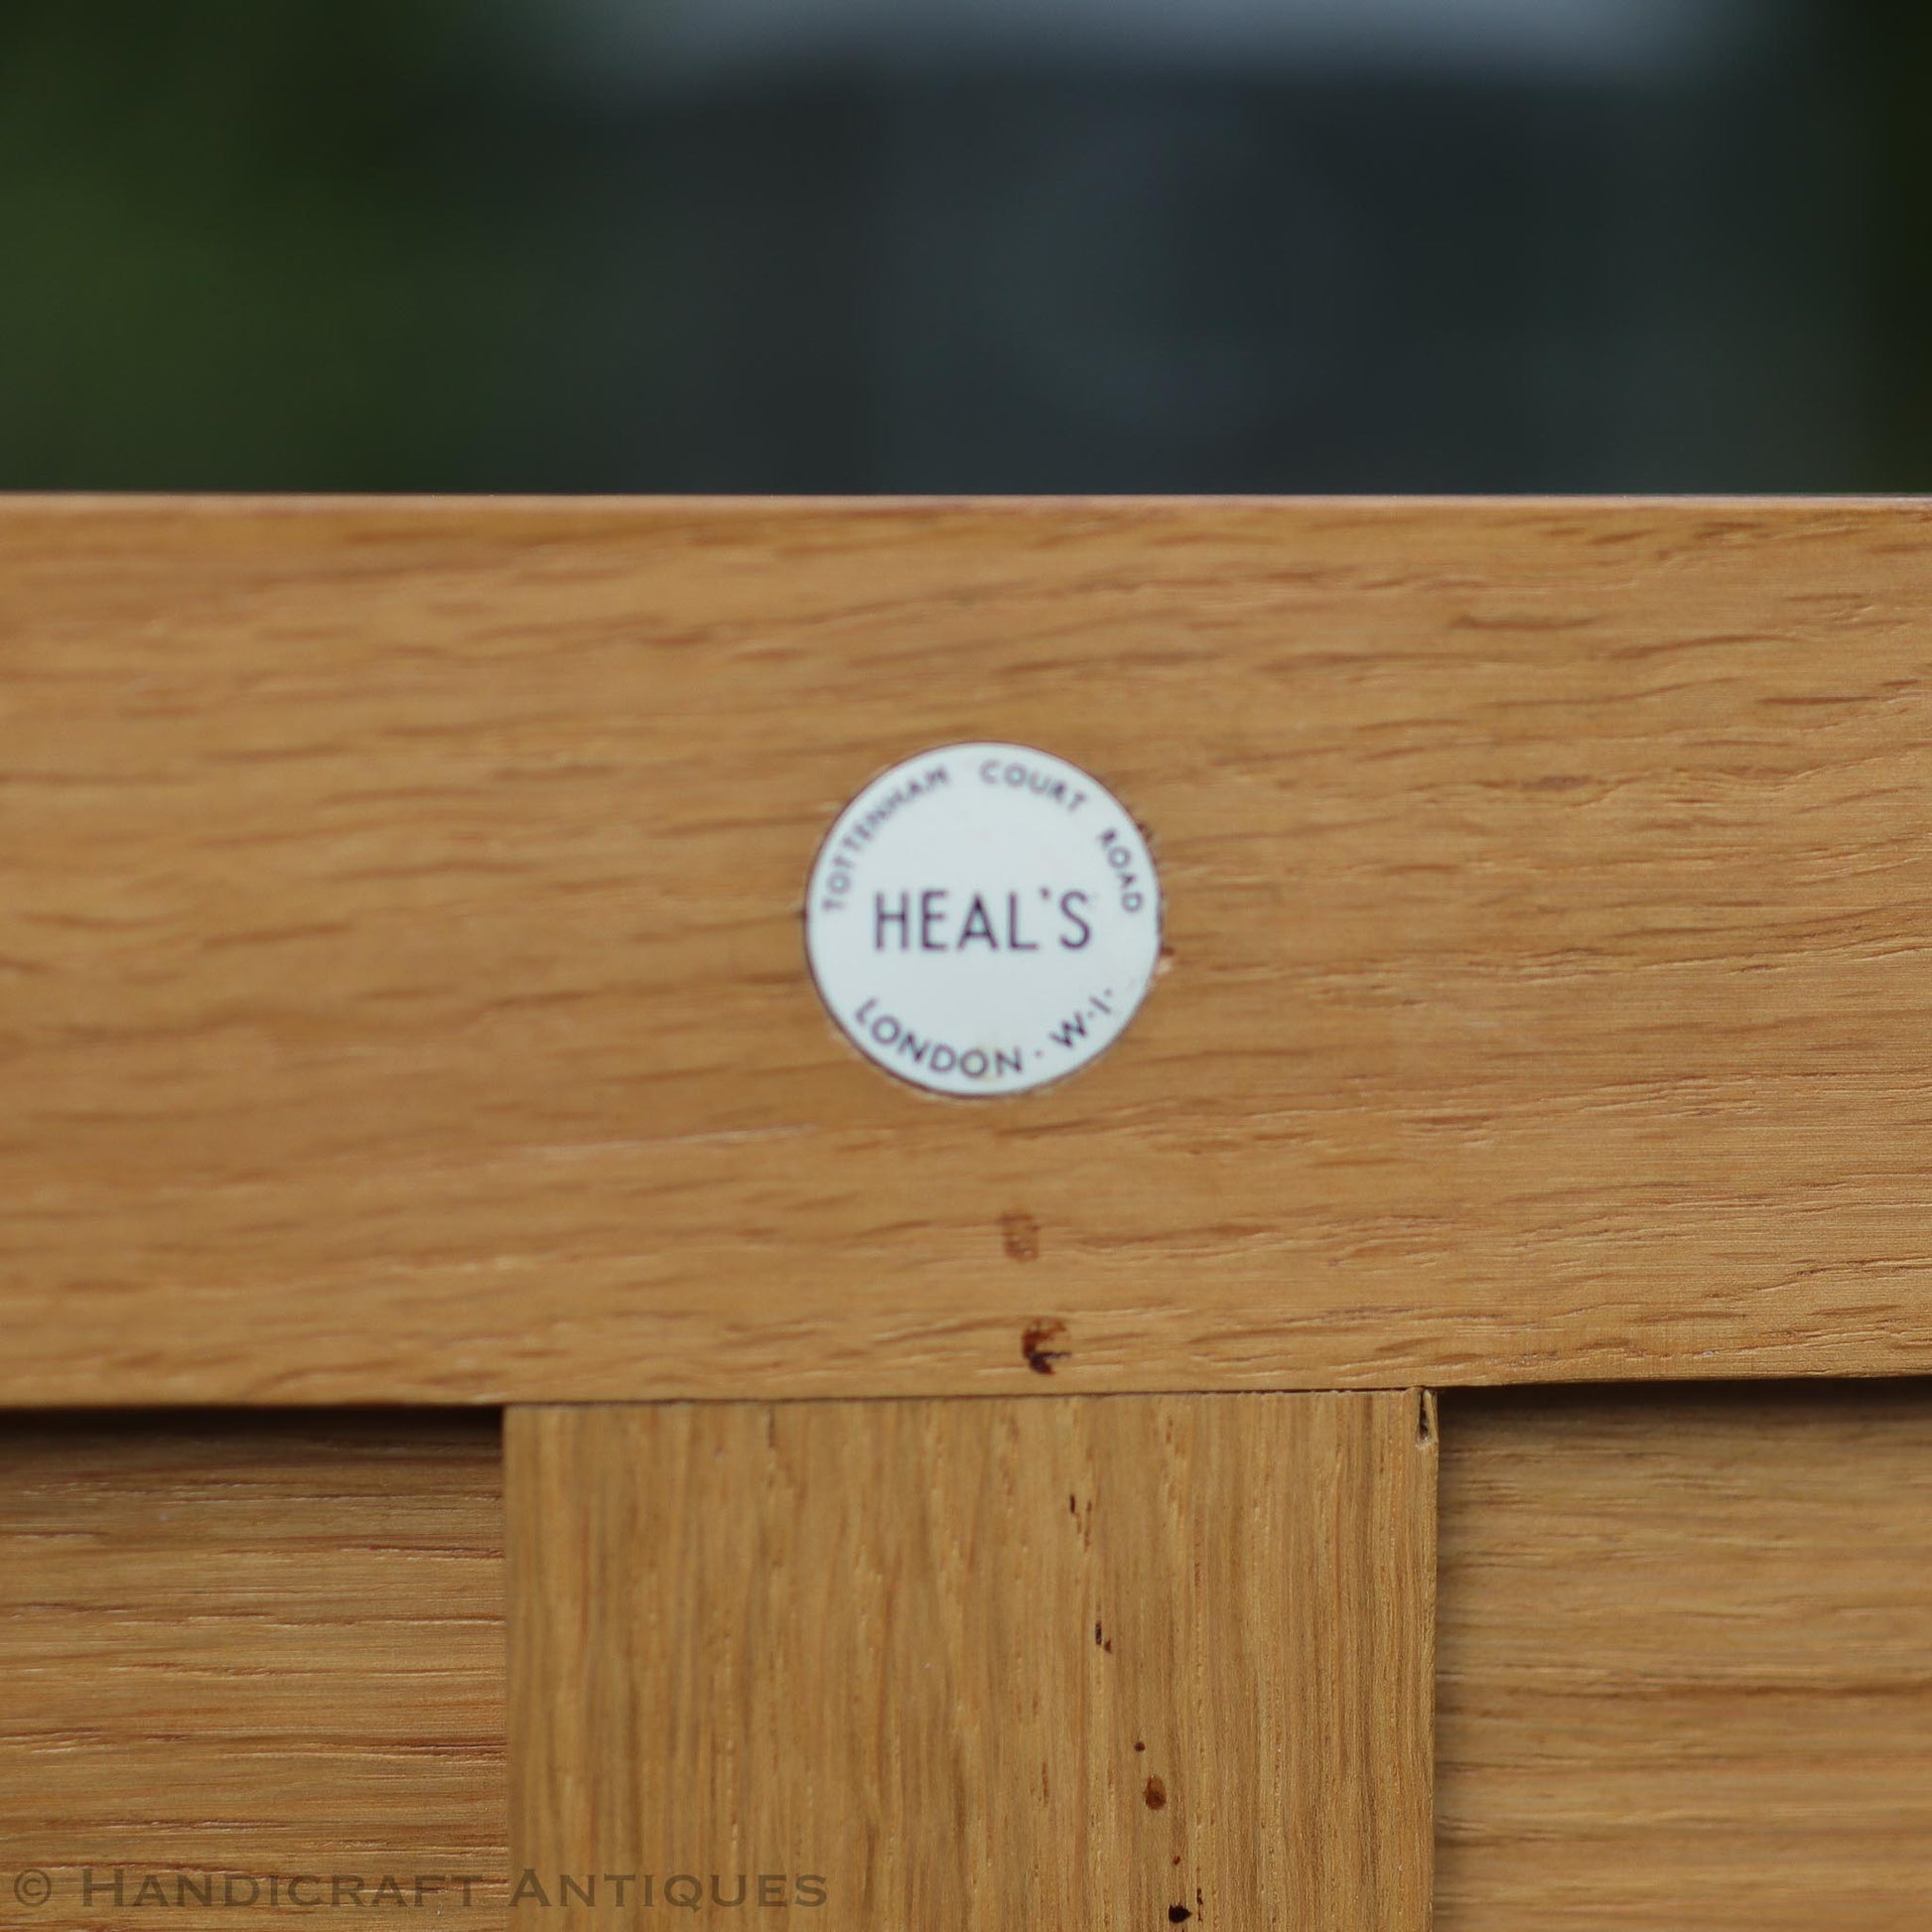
1117, 1661
402, 997
235, 1653
1686, 1661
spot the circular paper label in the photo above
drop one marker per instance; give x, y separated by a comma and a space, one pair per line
983, 919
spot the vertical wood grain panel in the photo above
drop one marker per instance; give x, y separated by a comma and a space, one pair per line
254, 1648
1687, 1661
1120, 1661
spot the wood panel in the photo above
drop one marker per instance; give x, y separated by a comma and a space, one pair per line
402, 997
1686, 1661
1117, 1661
237, 1653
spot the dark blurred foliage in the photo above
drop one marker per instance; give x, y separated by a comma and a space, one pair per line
378, 244
1884, 48
256, 245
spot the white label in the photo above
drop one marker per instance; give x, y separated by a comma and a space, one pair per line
983, 919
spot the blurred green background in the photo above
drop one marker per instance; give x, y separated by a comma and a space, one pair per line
740, 245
